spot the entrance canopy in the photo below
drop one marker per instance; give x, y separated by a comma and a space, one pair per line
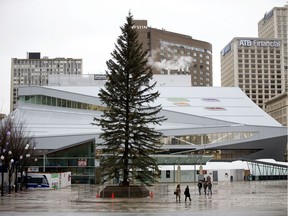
182, 159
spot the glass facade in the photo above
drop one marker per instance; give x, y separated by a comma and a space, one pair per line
80, 160
265, 171
210, 138
58, 102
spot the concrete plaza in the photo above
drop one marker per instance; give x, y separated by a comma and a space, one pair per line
229, 198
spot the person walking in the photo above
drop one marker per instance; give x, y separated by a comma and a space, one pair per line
199, 187
187, 193
177, 192
205, 185
209, 188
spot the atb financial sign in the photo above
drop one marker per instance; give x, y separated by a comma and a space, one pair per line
259, 43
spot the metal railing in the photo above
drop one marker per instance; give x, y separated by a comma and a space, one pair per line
98, 191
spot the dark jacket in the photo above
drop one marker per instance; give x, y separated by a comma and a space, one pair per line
186, 192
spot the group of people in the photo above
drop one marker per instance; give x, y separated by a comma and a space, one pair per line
178, 193
207, 187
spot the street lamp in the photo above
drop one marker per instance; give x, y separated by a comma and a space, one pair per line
10, 171
2, 175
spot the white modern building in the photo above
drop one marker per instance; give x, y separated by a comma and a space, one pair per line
203, 123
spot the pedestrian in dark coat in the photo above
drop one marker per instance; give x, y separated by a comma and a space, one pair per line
199, 187
187, 193
209, 188
205, 185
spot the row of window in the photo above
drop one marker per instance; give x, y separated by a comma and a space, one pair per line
259, 51
260, 66
169, 55
58, 102
182, 46
49, 66
201, 78
195, 83
260, 76
209, 138
259, 61
265, 56
41, 62
207, 73
260, 88
259, 71
267, 83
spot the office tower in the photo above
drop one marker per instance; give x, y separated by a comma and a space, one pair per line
254, 65
274, 24
172, 53
35, 70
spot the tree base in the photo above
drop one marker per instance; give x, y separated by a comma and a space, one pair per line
134, 191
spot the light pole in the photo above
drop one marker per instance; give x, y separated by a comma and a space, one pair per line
17, 164
10, 171
2, 174
23, 160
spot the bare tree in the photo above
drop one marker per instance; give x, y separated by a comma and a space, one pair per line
16, 149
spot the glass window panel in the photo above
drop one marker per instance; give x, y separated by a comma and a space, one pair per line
44, 100
49, 101
68, 103
54, 101
38, 99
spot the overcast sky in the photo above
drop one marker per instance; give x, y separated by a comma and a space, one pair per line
88, 29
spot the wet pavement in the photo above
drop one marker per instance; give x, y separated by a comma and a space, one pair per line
261, 198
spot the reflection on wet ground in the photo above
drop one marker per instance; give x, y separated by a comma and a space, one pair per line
229, 198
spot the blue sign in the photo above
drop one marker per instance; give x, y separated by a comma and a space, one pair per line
226, 49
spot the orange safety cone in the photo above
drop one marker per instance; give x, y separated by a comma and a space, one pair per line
112, 196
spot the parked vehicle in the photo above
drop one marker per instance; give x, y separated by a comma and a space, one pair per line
37, 181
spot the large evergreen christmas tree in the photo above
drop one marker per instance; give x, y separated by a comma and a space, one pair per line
130, 139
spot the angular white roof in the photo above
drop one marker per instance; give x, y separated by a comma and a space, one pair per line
188, 110
227, 104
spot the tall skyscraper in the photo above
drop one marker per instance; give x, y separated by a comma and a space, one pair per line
35, 70
274, 24
254, 65
259, 65
173, 53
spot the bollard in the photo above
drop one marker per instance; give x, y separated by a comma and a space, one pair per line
112, 196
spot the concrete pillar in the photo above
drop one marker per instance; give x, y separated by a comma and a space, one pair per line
178, 174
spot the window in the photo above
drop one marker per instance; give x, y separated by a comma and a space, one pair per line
167, 173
